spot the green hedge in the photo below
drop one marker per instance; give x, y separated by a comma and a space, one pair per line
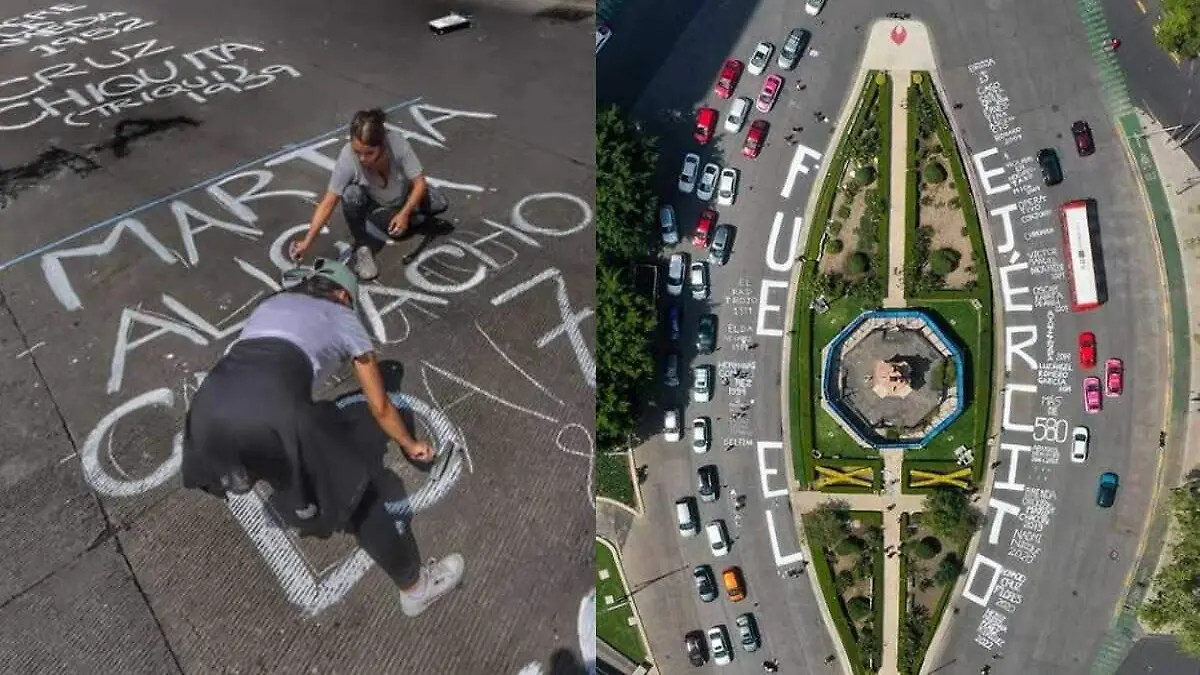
612, 478
903, 590
801, 399
883, 105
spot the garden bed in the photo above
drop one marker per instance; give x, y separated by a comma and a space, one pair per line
929, 567
613, 621
612, 478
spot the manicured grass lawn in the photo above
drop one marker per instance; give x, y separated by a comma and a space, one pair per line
612, 626
961, 321
612, 478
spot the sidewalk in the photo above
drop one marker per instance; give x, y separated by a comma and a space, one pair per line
898, 171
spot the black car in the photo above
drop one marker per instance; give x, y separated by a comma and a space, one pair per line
697, 652
1051, 170
706, 583
722, 242
708, 486
706, 334
675, 321
1084, 143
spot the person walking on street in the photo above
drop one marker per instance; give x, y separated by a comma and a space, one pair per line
379, 180
254, 419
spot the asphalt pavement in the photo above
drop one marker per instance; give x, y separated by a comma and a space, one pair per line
157, 156
1159, 654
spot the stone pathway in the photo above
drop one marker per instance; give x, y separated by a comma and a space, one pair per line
899, 182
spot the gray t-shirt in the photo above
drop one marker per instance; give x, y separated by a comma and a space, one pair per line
328, 333
403, 167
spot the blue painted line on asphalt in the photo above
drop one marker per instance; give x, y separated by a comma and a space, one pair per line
204, 183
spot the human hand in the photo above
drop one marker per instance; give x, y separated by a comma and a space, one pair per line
299, 248
399, 224
418, 451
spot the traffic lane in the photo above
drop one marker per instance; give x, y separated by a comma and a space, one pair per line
1158, 653
145, 438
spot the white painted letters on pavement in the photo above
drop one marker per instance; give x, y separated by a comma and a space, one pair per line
765, 307
766, 472
799, 166
789, 255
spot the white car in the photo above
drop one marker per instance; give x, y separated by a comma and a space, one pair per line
1079, 445
687, 177
668, 224
708, 181
761, 57
702, 384
698, 280
813, 7
701, 435
718, 538
727, 186
676, 269
736, 118
671, 428
718, 645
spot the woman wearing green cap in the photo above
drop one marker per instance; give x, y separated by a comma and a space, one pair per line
254, 418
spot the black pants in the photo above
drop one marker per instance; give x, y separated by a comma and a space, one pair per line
394, 550
359, 209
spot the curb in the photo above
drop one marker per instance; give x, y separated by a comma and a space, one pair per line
633, 605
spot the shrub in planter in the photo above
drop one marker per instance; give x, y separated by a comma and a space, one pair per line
944, 261
948, 570
836, 246
954, 204
849, 546
934, 172
881, 79
927, 548
858, 263
927, 201
964, 232
835, 228
843, 211
865, 175
858, 607
845, 579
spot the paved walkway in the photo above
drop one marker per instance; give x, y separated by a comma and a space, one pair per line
897, 201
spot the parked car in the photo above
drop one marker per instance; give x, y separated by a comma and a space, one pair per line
704, 226
1087, 349
748, 628
668, 224
735, 587
813, 7
761, 57
718, 644
770, 92
706, 334
1051, 170
676, 273
674, 321
1091, 395
702, 383
727, 186
1106, 491
701, 435
1079, 445
671, 370
718, 538
1114, 377
793, 48
727, 81
693, 644
755, 139
707, 483
687, 516
706, 122
708, 181
722, 242
698, 280
687, 175
671, 431
1085, 145
706, 583
736, 118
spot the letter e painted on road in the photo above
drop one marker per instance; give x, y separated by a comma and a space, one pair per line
765, 307
986, 175
766, 472
1009, 292
996, 568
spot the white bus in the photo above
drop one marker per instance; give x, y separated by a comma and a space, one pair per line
1080, 259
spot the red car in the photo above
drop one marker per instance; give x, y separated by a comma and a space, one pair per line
706, 121
727, 82
1087, 349
1091, 395
755, 139
704, 226
1084, 143
770, 92
1114, 377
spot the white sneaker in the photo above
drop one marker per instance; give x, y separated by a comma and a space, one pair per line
438, 577
364, 263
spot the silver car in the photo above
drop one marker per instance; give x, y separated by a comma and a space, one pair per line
793, 48
708, 181
668, 224
760, 58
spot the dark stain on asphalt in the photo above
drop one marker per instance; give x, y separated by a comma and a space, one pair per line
53, 160
565, 13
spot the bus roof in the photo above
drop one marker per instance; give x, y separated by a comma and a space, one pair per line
1078, 234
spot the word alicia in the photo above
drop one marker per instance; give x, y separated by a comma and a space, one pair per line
198, 75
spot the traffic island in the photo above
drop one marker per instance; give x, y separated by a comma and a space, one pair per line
929, 566
617, 622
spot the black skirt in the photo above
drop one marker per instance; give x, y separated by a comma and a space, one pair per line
254, 416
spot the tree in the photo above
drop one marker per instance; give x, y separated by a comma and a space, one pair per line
836, 246
927, 548
850, 546
625, 324
826, 524
858, 607
863, 175
858, 263
944, 261
626, 219
1175, 598
949, 513
948, 570
934, 172
1178, 30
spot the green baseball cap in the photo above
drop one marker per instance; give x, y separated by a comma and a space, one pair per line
336, 271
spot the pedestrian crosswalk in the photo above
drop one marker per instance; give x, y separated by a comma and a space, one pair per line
1116, 644
1112, 78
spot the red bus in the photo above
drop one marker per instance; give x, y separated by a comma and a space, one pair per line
1081, 262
